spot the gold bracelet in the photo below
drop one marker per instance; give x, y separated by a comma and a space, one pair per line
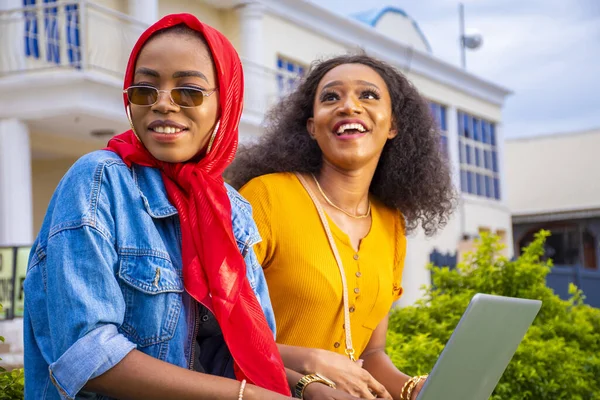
409, 386
242, 387
414, 385
405, 387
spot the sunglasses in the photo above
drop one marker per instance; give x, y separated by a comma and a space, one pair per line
186, 97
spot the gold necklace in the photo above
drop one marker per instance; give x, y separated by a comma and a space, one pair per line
339, 208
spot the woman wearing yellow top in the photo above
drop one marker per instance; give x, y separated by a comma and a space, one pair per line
350, 160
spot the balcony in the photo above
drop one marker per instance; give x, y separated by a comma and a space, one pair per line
62, 65
66, 35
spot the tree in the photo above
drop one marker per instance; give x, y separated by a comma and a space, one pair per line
559, 358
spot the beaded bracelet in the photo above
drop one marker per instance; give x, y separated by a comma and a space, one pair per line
242, 387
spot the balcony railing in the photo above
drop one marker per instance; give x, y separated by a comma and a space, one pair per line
84, 36
66, 35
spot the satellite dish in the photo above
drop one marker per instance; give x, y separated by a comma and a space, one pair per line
473, 39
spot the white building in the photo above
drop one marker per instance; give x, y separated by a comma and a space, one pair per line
553, 185
61, 67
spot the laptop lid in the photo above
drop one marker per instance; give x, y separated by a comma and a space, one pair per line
480, 348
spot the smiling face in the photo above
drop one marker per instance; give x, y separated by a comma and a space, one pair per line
172, 133
352, 116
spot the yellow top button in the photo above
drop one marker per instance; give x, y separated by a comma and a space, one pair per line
356, 290
358, 274
356, 256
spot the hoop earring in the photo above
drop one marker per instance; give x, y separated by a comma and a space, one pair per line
212, 137
128, 110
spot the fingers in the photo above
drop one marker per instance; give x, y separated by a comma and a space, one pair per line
376, 388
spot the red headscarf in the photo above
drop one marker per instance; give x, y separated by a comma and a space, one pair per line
214, 272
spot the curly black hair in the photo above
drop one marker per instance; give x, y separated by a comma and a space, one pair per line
412, 175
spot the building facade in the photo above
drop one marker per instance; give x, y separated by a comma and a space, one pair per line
553, 186
61, 68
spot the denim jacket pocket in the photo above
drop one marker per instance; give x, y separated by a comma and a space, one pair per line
152, 289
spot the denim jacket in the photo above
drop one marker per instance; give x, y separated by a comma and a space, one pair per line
105, 277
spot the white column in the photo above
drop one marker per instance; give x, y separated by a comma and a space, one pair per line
453, 155
501, 163
251, 14
12, 36
143, 10
16, 210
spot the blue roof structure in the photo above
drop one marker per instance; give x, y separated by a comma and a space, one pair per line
371, 17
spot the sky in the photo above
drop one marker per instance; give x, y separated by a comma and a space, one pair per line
546, 51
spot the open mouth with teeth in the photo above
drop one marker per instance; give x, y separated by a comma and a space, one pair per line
350, 129
167, 130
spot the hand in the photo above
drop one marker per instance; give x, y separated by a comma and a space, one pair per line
318, 391
348, 376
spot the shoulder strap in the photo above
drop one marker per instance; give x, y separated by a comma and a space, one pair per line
338, 259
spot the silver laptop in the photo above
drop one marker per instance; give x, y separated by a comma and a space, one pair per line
480, 348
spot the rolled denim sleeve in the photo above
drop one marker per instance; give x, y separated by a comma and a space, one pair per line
77, 315
89, 357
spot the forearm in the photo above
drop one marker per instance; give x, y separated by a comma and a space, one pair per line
299, 359
379, 365
139, 376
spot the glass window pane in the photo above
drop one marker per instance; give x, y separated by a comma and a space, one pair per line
467, 125
493, 134
497, 188
443, 118
279, 63
486, 159
478, 160
470, 182
480, 185
290, 66
463, 181
468, 154
461, 152
461, 125
488, 187
476, 128
494, 161
484, 131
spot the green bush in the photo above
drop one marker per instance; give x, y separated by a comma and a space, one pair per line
11, 382
559, 357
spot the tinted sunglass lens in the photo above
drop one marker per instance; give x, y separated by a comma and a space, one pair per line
142, 96
187, 97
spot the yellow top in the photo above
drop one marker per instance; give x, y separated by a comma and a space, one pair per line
302, 274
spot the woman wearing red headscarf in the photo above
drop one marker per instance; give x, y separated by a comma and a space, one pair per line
143, 273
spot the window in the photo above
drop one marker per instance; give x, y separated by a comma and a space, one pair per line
54, 25
32, 47
439, 115
480, 172
288, 74
52, 35
72, 29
